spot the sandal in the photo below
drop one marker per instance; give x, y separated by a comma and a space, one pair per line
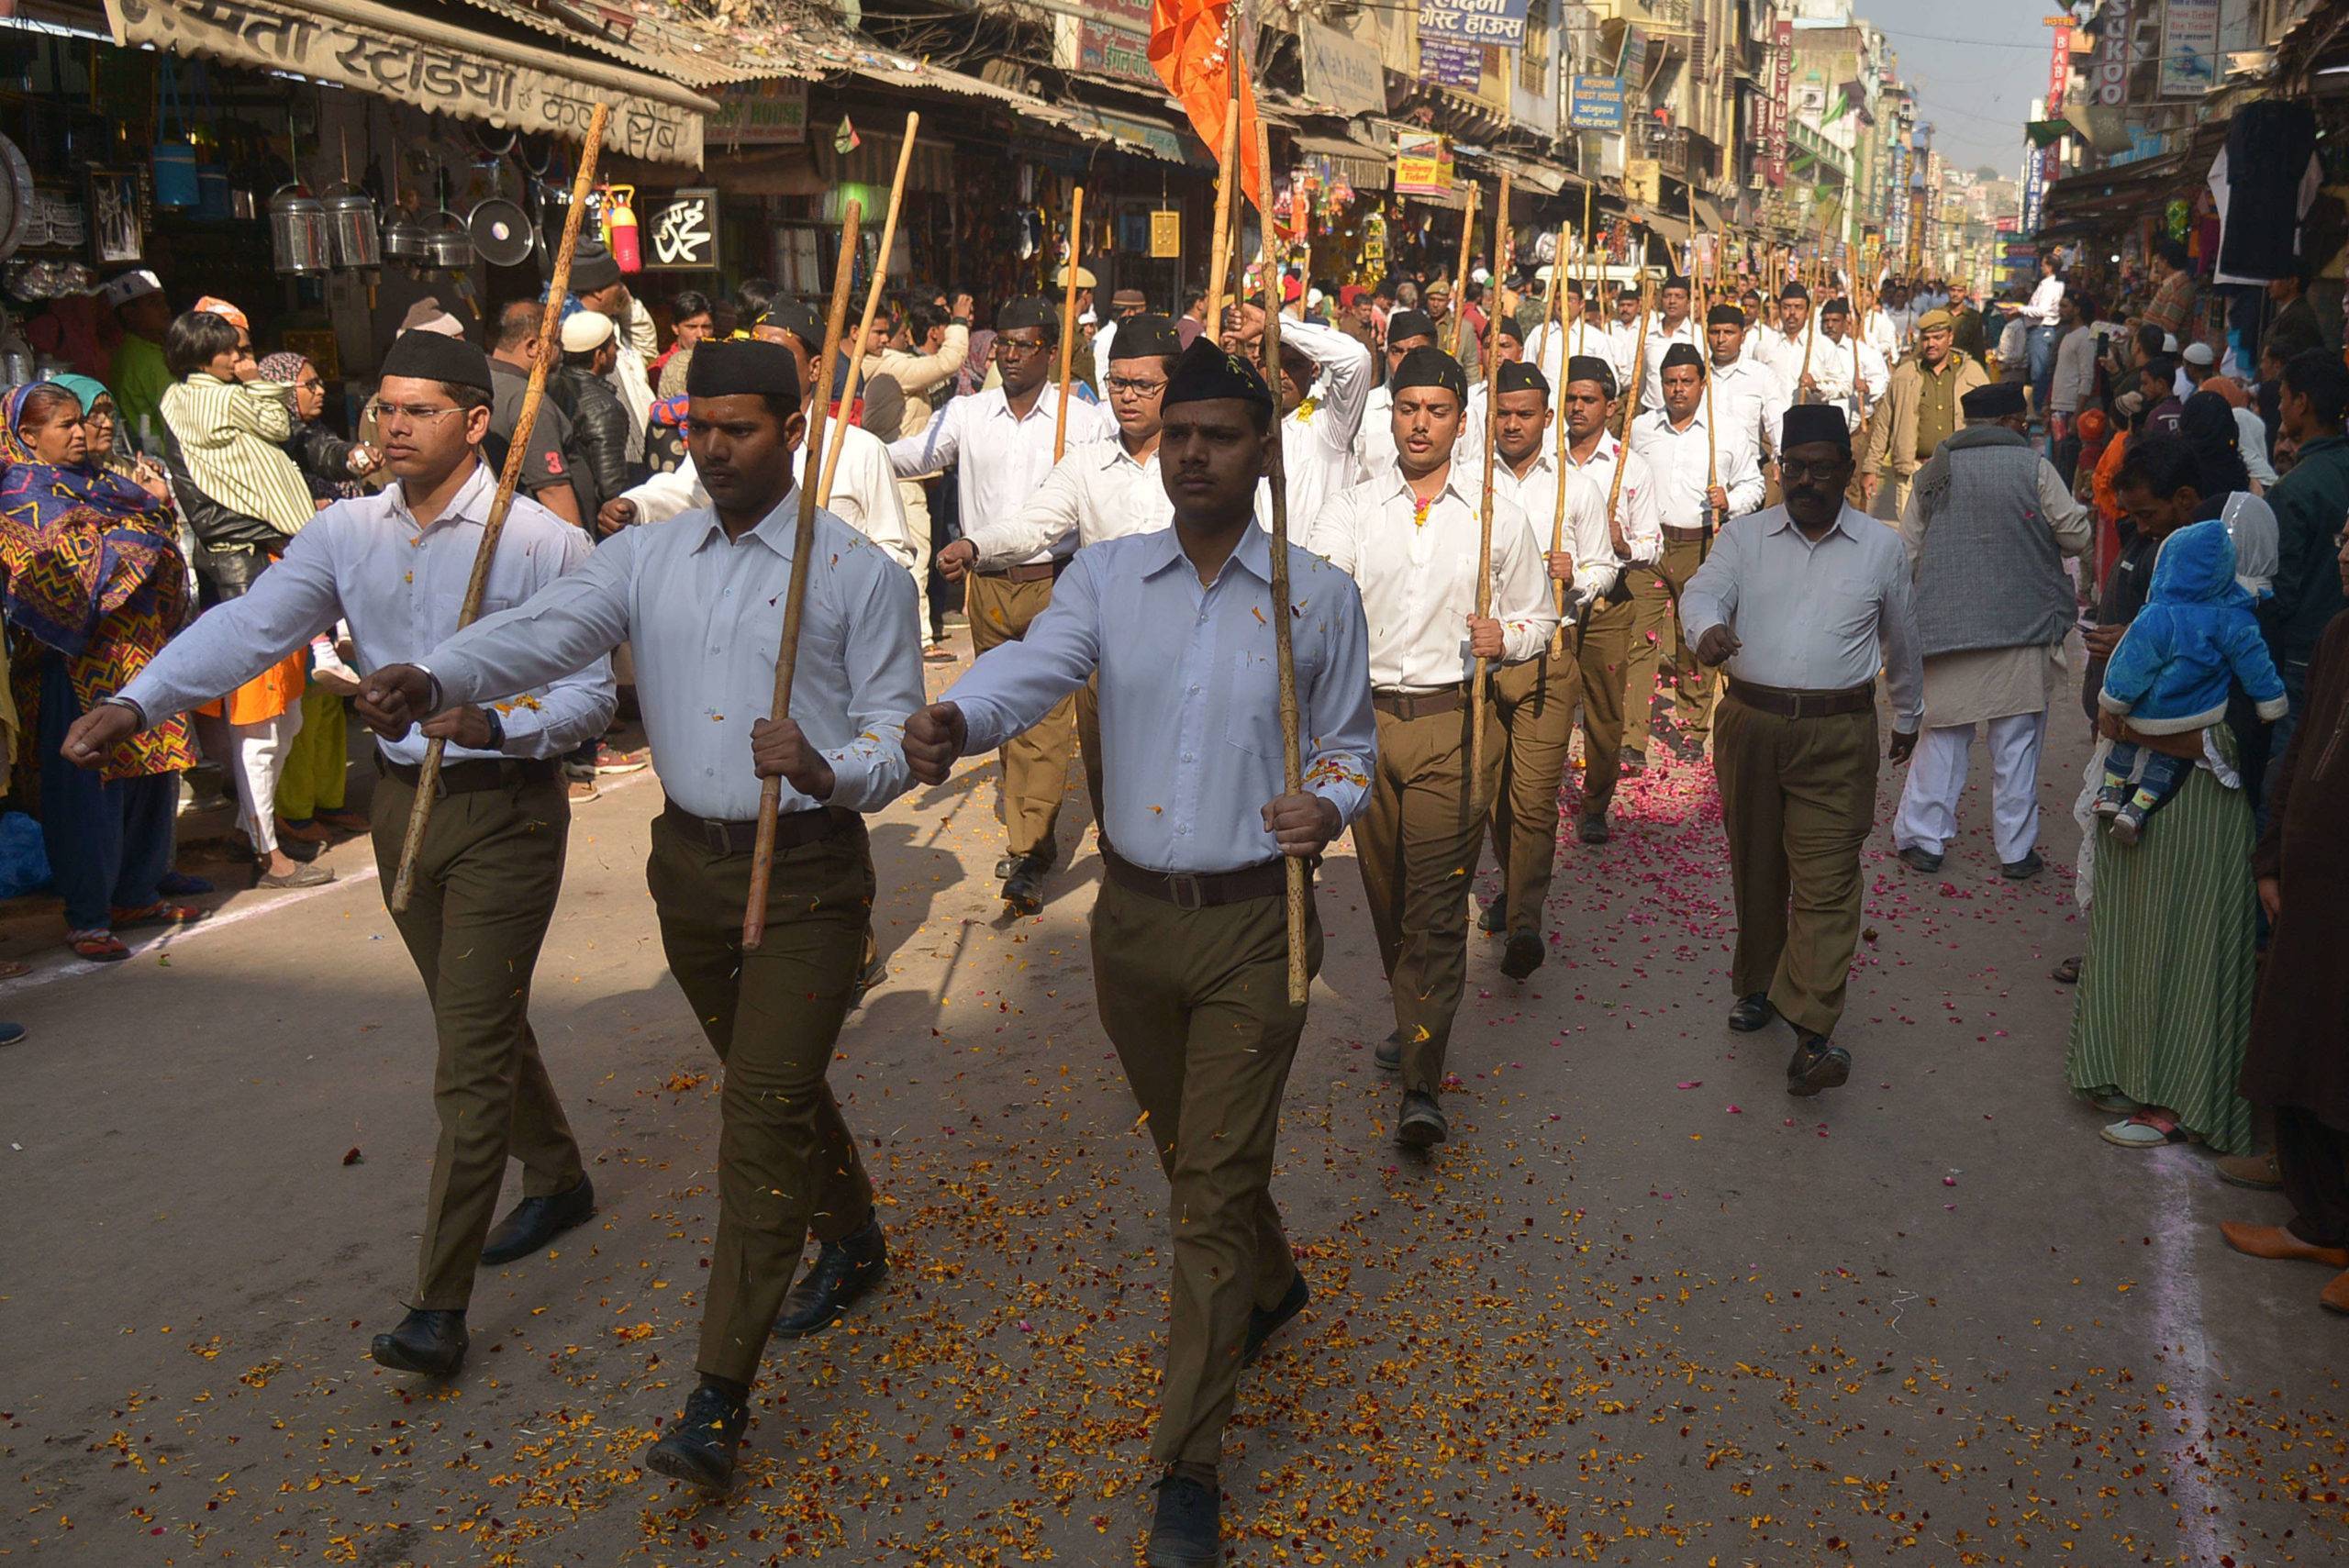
98, 947
162, 912
2067, 972
11, 970
2146, 1129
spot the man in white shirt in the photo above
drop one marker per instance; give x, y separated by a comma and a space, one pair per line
999, 443
925, 353
1782, 346
2040, 315
1550, 347
1702, 475
1748, 397
1325, 385
1409, 537
1673, 326
1844, 372
1804, 604
1878, 331
700, 599
395, 565
1623, 341
1534, 701
1374, 442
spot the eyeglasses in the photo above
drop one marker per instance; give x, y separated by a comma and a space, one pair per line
1013, 346
1797, 468
1130, 387
386, 412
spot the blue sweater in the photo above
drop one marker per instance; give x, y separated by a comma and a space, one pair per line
2170, 674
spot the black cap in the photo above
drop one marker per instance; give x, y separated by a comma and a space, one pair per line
1999, 400
739, 367
1839, 306
1206, 372
1405, 325
1025, 315
1794, 291
1673, 282
1725, 315
1809, 422
1430, 367
1590, 367
1683, 354
1140, 336
1518, 375
435, 356
1508, 327
798, 318
593, 267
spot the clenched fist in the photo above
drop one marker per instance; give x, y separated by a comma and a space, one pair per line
779, 750
934, 738
1302, 824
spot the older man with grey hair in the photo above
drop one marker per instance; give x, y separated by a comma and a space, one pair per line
1988, 525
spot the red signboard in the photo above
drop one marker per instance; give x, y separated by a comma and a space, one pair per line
2059, 74
1782, 64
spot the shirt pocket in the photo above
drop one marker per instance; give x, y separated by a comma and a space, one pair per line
1252, 699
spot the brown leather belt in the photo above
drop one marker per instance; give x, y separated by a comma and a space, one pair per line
1042, 571
472, 775
1419, 705
1687, 536
1198, 890
792, 829
1788, 704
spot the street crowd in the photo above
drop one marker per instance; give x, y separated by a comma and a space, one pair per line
1758, 522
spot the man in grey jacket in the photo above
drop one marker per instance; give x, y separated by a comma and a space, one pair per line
1988, 525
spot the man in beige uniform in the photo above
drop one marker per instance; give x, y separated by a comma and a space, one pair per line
1921, 408
1409, 537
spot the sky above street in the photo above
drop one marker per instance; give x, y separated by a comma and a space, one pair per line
1976, 67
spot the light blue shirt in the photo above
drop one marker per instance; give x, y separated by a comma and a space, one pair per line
367, 561
1190, 693
703, 616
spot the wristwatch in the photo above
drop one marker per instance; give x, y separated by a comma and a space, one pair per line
497, 730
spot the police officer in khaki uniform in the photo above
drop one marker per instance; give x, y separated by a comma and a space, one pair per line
700, 599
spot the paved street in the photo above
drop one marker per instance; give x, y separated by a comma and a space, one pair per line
1642, 1308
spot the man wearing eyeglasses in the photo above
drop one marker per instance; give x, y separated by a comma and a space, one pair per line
1000, 444
394, 564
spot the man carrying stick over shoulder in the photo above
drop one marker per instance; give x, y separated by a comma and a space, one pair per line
1409, 538
395, 566
1189, 935
700, 599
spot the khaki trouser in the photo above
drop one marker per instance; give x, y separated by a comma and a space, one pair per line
1196, 1003
486, 878
1035, 761
1891, 496
1656, 601
787, 1164
1418, 846
1088, 739
1535, 702
1797, 799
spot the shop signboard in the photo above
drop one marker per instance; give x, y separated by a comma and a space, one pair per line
1596, 102
1339, 70
491, 84
2189, 48
1899, 183
1111, 40
1643, 179
772, 113
680, 231
1451, 64
1498, 22
1782, 65
2108, 77
1423, 164
1166, 235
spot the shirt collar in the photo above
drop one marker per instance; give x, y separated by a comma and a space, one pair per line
777, 530
1254, 552
1047, 403
469, 505
1115, 455
1401, 486
1845, 519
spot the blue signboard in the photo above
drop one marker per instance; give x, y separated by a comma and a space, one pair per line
1451, 64
1498, 22
1595, 102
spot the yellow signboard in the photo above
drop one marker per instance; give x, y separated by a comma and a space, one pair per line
1166, 235
1643, 179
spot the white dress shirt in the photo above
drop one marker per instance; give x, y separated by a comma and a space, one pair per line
1319, 437
703, 615
864, 495
1880, 334
1375, 442
2251, 440
369, 562
1190, 693
1832, 363
1659, 341
1552, 349
999, 458
1678, 460
2045, 299
1096, 493
1781, 353
1750, 401
1634, 510
1418, 575
1812, 618
1537, 491
1623, 343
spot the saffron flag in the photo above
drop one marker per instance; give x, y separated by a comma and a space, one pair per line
1190, 44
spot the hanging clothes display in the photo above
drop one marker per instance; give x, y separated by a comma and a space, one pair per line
2263, 182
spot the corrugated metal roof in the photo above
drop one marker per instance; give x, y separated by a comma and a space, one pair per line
698, 51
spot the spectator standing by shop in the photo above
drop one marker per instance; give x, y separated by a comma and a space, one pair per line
2074, 381
547, 475
929, 350
138, 372
599, 430
598, 284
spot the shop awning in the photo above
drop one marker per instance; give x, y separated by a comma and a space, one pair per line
1364, 167
699, 53
418, 59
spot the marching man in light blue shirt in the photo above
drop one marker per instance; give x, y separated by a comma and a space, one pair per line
1189, 934
699, 598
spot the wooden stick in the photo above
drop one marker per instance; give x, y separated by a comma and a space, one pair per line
1477, 707
1551, 329
1639, 362
1284, 655
1459, 273
872, 305
1227, 205
1068, 317
428, 780
795, 604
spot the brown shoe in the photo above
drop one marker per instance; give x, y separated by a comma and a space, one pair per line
2256, 1172
2275, 1242
2335, 1297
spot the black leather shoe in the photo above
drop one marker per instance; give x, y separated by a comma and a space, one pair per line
1752, 1013
1422, 1125
843, 1271
2023, 870
1916, 857
1524, 954
699, 1449
1187, 1529
1265, 1322
1634, 761
535, 1221
1388, 1052
1493, 919
426, 1342
1023, 890
1595, 830
1816, 1064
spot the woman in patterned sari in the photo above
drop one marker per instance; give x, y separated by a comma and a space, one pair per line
96, 585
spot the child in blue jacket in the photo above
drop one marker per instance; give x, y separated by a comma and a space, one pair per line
2169, 676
